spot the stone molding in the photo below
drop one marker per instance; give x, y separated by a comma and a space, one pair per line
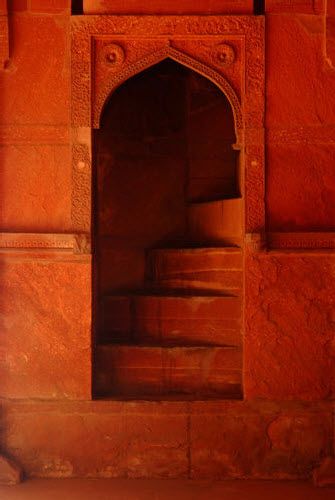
301, 241
80, 243
44, 242
294, 241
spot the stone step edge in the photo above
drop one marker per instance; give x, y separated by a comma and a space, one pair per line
119, 345
211, 249
173, 398
214, 201
144, 294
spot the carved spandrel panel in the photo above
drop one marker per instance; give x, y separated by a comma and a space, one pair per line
117, 60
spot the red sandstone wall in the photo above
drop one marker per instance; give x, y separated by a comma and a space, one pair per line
45, 297
289, 339
300, 120
289, 342
199, 440
35, 114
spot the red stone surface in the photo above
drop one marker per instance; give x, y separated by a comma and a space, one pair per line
263, 454
170, 7
173, 439
41, 6
219, 222
10, 472
197, 268
308, 203
137, 371
45, 192
330, 33
46, 307
179, 489
35, 170
325, 474
35, 89
50, 6
289, 337
46, 328
3, 7
300, 118
4, 38
116, 440
301, 6
189, 320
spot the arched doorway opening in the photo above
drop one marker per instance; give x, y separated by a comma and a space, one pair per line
168, 233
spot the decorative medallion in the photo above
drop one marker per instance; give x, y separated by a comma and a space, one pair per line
113, 55
224, 54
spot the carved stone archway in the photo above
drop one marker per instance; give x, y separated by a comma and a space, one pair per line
229, 50
127, 71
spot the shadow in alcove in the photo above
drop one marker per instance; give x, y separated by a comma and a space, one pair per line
259, 7
167, 178
77, 8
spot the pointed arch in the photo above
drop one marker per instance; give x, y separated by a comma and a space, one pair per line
185, 60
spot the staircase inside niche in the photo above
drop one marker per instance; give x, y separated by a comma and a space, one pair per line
176, 331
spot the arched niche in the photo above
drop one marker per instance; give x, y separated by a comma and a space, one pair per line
129, 70
165, 147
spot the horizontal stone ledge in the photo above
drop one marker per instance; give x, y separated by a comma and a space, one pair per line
293, 242
44, 243
117, 405
301, 241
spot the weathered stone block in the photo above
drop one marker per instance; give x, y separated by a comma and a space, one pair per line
301, 187
38, 178
46, 328
36, 87
289, 326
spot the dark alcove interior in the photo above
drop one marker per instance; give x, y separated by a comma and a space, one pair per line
168, 229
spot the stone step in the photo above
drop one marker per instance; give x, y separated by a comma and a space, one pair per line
229, 285
179, 320
196, 268
141, 371
216, 221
